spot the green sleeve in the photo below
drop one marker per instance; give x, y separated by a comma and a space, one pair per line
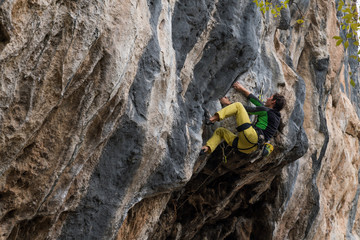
254, 100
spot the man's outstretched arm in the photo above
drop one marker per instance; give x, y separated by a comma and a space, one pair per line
241, 89
247, 94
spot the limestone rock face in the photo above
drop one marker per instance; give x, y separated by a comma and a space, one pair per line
102, 109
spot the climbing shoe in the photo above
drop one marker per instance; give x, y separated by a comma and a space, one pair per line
208, 122
268, 148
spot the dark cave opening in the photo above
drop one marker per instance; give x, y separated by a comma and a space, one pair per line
4, 37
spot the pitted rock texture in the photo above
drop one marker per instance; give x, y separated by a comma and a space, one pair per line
102, 106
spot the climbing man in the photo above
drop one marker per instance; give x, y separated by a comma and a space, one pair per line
249, 136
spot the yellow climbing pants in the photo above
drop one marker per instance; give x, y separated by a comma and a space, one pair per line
245, 136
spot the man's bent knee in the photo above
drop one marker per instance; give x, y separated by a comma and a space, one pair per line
239, 105
220, 131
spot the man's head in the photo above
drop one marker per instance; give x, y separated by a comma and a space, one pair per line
276, 101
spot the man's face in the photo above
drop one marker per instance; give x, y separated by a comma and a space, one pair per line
269, 101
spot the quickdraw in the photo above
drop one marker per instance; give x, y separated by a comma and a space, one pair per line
261, 92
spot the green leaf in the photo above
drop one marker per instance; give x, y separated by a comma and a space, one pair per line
348, 17
346, 44
347, 10
299, 21
356, 43
343, 27
349, 35
350, 73
341, 4
352, 83
354, 26
339, 42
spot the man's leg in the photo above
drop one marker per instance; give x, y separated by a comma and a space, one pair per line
219, 135
241, 118
234, 109
248, 137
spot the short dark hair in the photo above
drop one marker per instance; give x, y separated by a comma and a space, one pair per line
280, 101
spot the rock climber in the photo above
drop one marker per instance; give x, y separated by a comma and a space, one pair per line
249, 136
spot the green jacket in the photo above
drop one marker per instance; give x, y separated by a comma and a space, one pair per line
268, 120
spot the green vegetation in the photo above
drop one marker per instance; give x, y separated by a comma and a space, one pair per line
351, 24
351, 27
351, 20
265, 6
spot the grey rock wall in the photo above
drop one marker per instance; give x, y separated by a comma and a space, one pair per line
102, 109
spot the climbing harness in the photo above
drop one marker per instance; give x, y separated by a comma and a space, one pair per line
264, 148
242, 128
